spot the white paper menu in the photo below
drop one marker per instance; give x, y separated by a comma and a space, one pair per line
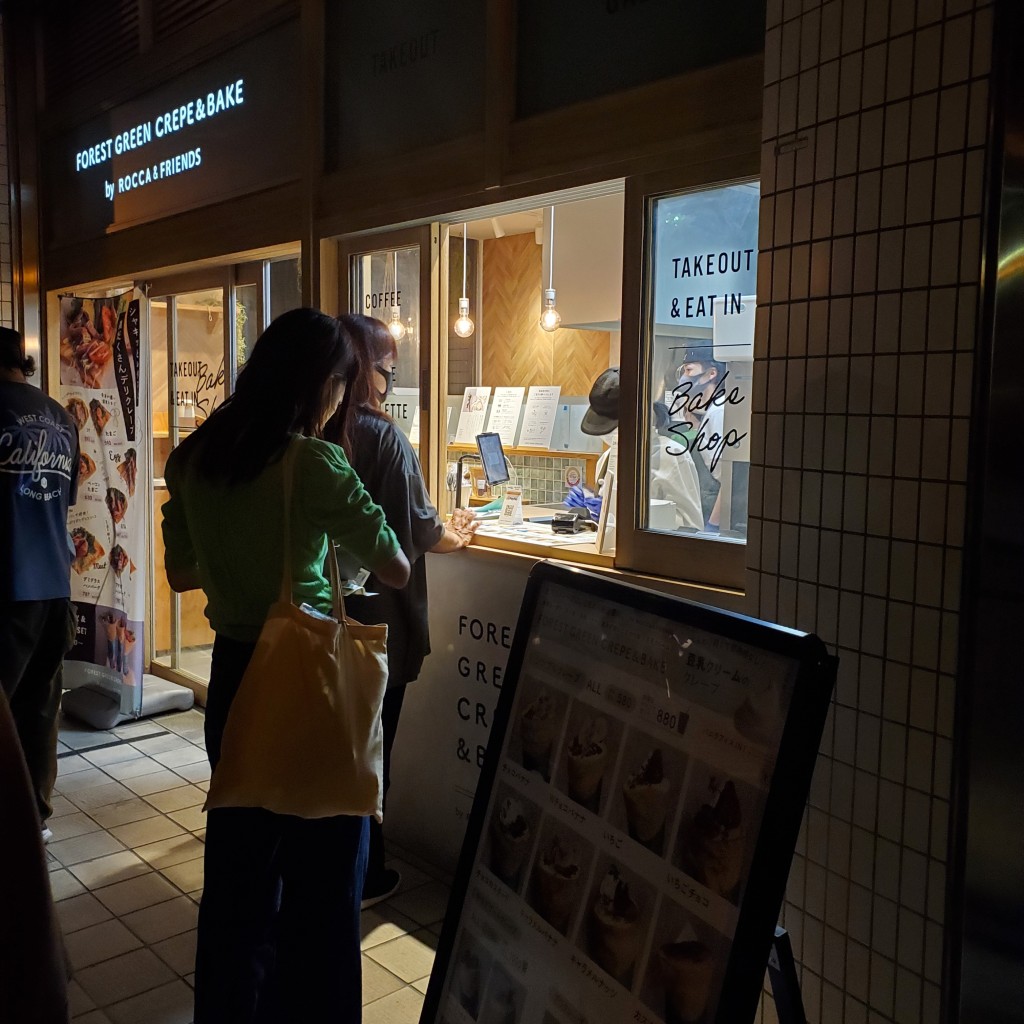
621, 826
472, 414
505, 414
539, 418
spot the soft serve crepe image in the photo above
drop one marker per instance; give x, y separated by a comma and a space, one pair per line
712, 845
686, 967
587, 759
646, 793
510, 835
539, 724
556, 878
614, 927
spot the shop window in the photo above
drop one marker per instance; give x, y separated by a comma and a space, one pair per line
690, 447
285, 285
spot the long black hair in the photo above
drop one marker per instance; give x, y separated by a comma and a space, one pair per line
282, 390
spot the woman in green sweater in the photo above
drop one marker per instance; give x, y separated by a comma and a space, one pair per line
278, 939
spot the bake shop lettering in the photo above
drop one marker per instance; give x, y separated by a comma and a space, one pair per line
693, 408
209, 385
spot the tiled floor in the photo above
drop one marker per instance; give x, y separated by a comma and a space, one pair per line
127, 872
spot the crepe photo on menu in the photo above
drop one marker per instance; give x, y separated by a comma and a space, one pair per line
128, 468
469, 976
88, 550
684, 968
117, 504
616, 919
647, 792
510, 836
503, 999
100, 415
556, 880
542, 712
721, 815
588, 756
86, 467
78, 411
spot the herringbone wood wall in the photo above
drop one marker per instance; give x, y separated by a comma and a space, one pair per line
516, 352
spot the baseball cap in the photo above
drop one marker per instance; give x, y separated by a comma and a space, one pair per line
603, 415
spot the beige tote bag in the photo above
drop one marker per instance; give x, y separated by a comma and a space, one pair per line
303, 735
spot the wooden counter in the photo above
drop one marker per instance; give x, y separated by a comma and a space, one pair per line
584, 553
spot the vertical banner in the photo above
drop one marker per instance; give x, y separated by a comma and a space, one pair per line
104, 364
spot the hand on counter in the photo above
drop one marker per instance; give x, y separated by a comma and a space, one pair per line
458, 532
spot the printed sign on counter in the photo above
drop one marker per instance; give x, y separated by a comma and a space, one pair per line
512, 507
632, 831
472, 414
539, 418
505, 414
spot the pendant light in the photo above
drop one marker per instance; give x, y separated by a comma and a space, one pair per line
550, 317
464, 326
396, 327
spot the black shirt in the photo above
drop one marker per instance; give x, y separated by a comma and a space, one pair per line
390, 470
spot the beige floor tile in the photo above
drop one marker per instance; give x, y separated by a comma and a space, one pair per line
190, 979
136, 893
174, 850
381, 924
64, 885
61, 806
425, 905
176, 799
79, 1001
188, 877
84, 847
137, 730
178, 952
192, 818
421, 985
412, 876
97, 943
118, 867
124, 976
168, 1004
410, 957
71, 764
149, 830
377, 982
204, 786
155, 782
400, 1007
112, 755
163, 920
67, 826
92, 1017
188, 754
160, 744
138, 766
80, 912
198, 772
101, 796
75, 783
123, 812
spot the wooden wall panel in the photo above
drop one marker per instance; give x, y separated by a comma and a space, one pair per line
516, 352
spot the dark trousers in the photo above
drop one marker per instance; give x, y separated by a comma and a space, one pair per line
278, 937
34, 637
390, 712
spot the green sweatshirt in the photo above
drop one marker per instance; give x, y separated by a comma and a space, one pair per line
235, 534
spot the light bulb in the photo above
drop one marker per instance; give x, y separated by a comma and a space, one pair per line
550, 317
396, 327
463, 327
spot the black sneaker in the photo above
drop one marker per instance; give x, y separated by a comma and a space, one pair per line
379, 888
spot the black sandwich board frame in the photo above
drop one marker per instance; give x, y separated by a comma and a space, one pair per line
812, 679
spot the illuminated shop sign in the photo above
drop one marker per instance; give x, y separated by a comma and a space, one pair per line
220, 130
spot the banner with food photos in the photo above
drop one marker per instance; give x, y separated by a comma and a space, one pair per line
103, 375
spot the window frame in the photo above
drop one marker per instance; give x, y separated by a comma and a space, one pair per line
706, 561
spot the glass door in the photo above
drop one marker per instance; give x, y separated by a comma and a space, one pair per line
389, 277
194, 347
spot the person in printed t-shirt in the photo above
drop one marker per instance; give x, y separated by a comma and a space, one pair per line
38, 481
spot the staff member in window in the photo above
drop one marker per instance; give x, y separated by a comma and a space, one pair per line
673, 475
390, 470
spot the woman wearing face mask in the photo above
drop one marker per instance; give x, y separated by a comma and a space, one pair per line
278, 934
390, 470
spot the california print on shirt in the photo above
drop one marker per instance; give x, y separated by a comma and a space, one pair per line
41, 451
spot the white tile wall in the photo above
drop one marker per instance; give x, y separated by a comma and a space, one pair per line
868, 272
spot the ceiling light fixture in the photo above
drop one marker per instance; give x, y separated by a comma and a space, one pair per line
464, 326
550, 317
396, 327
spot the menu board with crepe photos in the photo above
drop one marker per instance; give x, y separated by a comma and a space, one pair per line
636, 816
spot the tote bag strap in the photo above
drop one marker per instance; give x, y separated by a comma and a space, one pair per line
333, 573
